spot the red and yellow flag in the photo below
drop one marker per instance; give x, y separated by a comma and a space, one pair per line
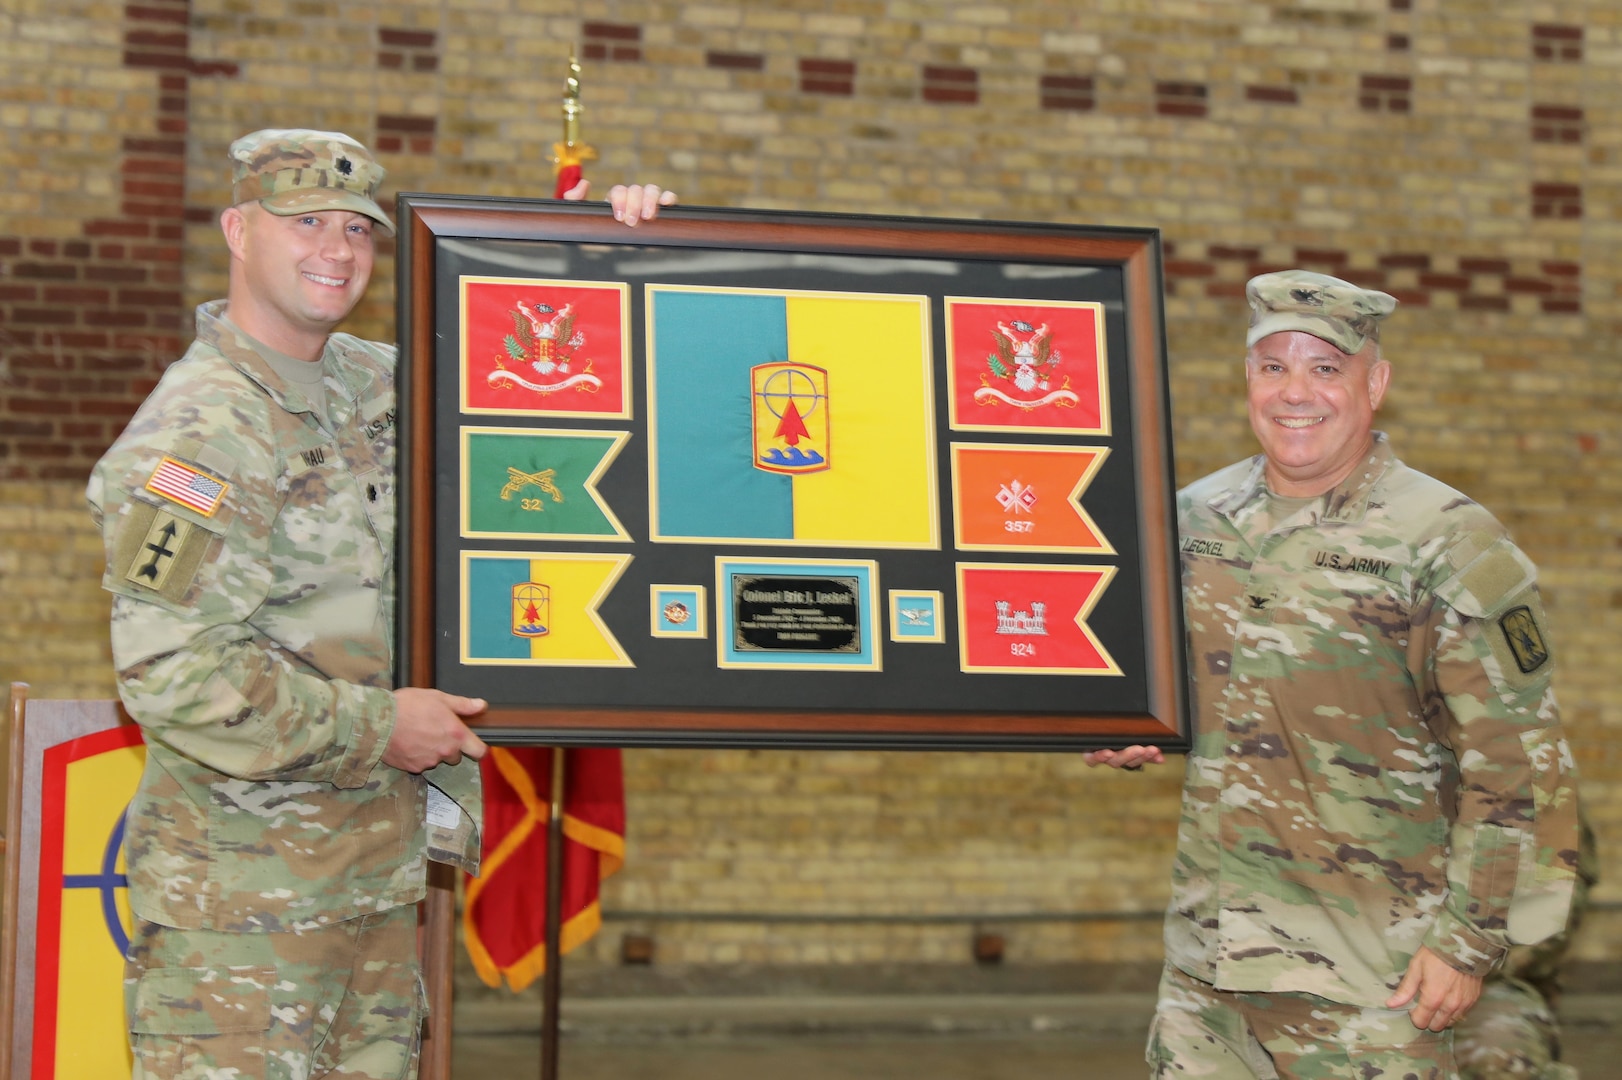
504, 909
83, 920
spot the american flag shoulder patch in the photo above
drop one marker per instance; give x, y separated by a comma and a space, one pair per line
188, 486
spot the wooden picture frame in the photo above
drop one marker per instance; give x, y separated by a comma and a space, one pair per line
771, 479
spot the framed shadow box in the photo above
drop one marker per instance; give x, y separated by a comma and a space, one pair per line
769, 479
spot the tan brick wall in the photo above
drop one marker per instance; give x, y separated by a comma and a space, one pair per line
1465, 155
846, 834
53, 631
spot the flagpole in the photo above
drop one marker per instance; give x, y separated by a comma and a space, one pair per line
438, 947
568, 155
552, 987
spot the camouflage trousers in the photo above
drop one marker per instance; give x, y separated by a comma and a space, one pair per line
1200, 1031
344, 1000
1510, 1034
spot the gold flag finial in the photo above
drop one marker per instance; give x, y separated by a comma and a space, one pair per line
571, 102
571, 153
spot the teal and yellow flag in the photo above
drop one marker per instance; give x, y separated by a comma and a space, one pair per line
791, 417
527, 608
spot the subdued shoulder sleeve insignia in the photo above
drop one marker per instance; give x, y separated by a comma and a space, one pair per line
187, 485
157, 552
1525, 638
1497, 587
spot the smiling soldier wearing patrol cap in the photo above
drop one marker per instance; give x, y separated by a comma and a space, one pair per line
1379, 799
278, 842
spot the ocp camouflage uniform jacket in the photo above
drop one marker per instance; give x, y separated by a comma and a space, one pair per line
1378, 762
252, 632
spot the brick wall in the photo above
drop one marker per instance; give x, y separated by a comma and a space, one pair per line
1462, 155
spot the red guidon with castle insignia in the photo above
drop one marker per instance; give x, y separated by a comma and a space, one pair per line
1031, 619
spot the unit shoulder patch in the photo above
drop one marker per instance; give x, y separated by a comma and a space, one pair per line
1525, 638
157, 551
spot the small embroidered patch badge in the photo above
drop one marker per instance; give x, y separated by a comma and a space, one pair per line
1525, 639
190, 487
164, 541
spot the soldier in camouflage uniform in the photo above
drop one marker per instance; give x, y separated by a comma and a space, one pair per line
1379, 799
1512, 1033
277, 844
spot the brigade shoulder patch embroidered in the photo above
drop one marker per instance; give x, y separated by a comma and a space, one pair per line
1525, 639
158, 552
189, 486
155, 559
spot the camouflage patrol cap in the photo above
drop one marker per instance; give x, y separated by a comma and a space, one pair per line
1337, 311
293, 171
